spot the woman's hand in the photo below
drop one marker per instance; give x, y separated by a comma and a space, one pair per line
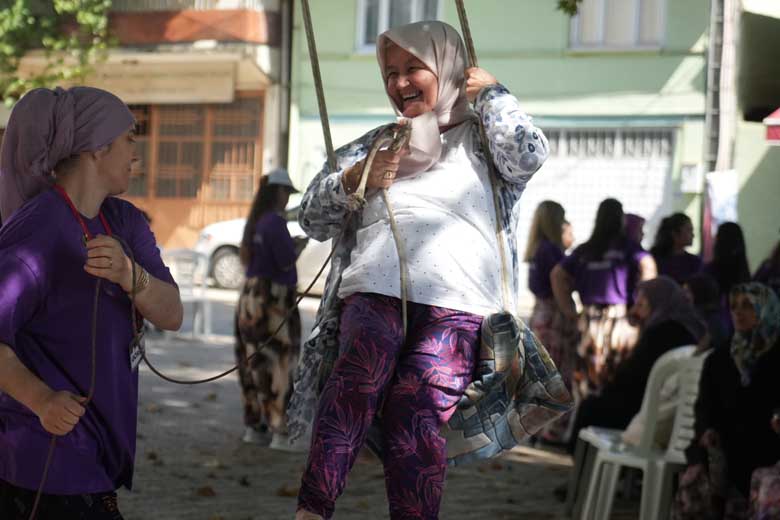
383, 172
60, 412
106, 259
476, 80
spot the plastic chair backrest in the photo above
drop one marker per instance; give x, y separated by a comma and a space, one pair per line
189, 269
684, 418
664, 367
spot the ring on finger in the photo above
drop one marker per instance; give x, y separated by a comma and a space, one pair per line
110, 263
389, 174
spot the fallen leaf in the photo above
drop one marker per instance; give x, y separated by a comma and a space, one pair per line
216, 517
211, 397
496, 465
206, 491
244, 481
151, 455
153, 408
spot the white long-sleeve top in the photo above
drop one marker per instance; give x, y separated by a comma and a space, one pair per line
446, 221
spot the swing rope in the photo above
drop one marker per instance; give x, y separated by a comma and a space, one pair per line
394, 135
500, 231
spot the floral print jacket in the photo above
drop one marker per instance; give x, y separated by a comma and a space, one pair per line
518, 148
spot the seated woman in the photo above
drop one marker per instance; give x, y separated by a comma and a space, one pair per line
666, 320
739, 392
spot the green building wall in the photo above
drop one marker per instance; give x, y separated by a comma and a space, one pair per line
525, 44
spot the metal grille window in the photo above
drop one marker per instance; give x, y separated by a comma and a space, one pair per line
233, 159
376, 16
180, 156
198, 151
618, 24
601, 143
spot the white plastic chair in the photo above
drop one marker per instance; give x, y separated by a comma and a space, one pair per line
657, 465
595, 438
190, 270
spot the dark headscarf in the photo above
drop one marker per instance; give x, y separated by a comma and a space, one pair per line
47, 126
669, 303
748, 348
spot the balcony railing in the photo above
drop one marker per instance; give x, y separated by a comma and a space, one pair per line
200, 5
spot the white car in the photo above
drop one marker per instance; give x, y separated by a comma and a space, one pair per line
220, 242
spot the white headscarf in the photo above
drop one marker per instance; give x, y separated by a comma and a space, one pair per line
439, 46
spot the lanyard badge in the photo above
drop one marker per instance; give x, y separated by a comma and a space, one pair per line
137, 348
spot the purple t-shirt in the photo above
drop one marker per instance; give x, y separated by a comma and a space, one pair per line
45, 317
606, 281
680, 267
273, 251
546, 257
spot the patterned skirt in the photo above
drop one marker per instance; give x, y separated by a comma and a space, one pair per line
560, 336
266, 383
606, 339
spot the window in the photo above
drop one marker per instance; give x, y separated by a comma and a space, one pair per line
376, 16
236, 128
631, 143
198, 151
618, 24
180, 156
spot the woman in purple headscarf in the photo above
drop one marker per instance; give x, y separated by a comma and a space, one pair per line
65, 155
441, 193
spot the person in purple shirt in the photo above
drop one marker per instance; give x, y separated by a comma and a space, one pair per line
675, 234
268, 295
65, 155
768, 272
729, 265
545, 249
600, 271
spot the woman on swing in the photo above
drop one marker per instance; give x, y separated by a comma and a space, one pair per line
357, 366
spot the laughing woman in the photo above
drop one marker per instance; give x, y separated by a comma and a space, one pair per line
358, 366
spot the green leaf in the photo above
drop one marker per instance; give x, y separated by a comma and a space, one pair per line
77, 28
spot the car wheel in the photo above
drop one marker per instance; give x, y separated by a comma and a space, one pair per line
227, 270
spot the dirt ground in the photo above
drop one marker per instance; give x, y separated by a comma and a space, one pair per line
191, 463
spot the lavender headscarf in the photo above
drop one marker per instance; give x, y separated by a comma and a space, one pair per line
439, 46
632, 225
669, 303
47, 126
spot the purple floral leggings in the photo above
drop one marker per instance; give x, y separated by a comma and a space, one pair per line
417, 383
